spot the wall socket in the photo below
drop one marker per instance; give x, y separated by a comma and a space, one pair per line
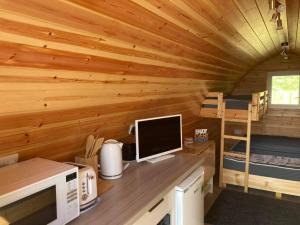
8, 159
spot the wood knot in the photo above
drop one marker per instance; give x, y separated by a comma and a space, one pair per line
87, 59
13, 56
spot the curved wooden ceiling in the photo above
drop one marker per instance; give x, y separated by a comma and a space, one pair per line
206, 39
293, 18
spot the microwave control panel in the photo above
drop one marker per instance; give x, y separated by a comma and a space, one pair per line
72, 196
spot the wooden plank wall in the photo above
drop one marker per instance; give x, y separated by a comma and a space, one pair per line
285, 122
73, 68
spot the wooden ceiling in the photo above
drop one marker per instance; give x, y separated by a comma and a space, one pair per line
217, 38
293, 18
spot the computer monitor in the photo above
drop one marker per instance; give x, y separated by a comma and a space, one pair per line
158, 136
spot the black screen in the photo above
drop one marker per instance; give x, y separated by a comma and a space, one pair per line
38, 209
159, 135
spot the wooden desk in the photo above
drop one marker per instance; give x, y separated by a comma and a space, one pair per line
141, 186
206, 151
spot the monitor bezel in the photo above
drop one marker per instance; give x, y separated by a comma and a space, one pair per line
138, 159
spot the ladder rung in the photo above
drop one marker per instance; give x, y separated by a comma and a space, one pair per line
235, 137
234, 154
236, 120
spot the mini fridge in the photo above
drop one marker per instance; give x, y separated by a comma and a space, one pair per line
189, 208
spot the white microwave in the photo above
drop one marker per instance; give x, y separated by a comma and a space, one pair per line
39, 192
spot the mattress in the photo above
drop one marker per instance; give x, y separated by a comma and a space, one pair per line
233, 102
271, 145
271, 156
266, 170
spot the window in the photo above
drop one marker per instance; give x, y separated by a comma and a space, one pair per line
284, 89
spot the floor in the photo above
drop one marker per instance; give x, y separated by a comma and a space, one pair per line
233, 207
211, 198
264, 193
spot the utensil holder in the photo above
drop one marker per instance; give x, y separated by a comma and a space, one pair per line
91, 161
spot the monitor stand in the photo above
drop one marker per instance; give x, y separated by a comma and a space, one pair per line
160, 158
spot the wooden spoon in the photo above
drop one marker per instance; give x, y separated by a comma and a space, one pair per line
89, 144
97, 146
92, 147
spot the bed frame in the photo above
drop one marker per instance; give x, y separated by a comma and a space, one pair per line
244, 179
259, 105
256, 109
278, 186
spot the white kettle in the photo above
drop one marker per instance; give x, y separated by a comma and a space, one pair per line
111, 159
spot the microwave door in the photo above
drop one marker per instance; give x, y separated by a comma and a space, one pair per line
38, 208
36, 205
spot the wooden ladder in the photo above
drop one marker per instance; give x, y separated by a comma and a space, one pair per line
247, 139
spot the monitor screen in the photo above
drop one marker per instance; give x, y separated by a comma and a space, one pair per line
158, 136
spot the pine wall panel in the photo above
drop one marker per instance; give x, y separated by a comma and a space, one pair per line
283, 122
70, 68
73, 68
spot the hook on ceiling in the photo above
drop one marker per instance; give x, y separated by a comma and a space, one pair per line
278, 7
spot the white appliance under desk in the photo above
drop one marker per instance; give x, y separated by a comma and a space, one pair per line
190, 200
183, 205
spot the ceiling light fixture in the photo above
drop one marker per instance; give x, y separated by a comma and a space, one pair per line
279, 24
272, 4
278, 7
284, 52
274, 17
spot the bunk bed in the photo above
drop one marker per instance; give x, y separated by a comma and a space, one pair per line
236, 105
268, 163
274, 165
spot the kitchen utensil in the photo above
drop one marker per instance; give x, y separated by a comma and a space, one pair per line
97, 146
89, 143
92, 147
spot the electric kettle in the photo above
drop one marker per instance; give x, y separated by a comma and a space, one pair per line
111, 164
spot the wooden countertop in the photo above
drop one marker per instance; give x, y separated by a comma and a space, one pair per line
141, 186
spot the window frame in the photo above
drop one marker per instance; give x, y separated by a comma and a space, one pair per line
269, 88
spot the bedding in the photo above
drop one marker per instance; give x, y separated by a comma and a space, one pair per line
272, 145
261, 169
271, 156
275, 160
233, 102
